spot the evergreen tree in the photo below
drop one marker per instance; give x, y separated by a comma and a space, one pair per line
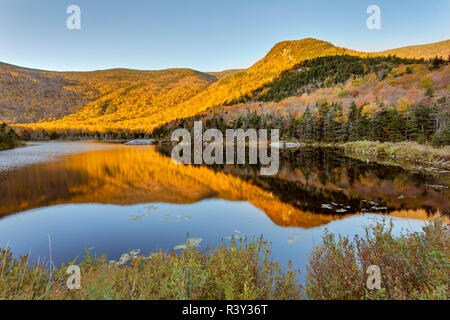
308, 125
442, 137
353, 129
396, 126
424, 122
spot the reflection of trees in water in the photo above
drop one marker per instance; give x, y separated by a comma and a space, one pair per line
310, 177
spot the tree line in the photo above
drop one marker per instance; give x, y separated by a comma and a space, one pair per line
327, 123
320, 123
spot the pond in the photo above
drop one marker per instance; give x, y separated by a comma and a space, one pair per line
57, 199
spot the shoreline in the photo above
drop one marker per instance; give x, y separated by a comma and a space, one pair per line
410, 154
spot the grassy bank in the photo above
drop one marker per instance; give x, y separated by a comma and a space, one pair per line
413, 266
238, 271
403, 151
8, 138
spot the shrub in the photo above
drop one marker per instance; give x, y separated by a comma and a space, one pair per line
413, 266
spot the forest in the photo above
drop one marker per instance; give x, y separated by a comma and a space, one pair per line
327, 123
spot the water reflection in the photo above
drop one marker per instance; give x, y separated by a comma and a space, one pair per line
325, 181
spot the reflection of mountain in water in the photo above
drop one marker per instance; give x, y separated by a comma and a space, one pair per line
131, 175
315, 179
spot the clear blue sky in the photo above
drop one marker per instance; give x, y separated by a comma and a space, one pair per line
207, 35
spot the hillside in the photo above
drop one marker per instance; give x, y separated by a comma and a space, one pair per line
427, 51
368, 82
29, 95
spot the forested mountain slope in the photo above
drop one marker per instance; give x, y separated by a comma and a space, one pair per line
28, 95
344, 98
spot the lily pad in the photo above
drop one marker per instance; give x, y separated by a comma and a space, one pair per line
194, 242
293, 239
181, 247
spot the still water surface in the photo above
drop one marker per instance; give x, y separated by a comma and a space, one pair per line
115, 198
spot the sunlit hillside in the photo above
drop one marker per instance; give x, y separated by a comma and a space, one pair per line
143, 98
28, 95
225, 74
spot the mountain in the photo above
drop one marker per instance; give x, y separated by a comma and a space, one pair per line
281, 58
130, 100
426, 51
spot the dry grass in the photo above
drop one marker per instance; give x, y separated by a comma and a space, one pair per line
408, 151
